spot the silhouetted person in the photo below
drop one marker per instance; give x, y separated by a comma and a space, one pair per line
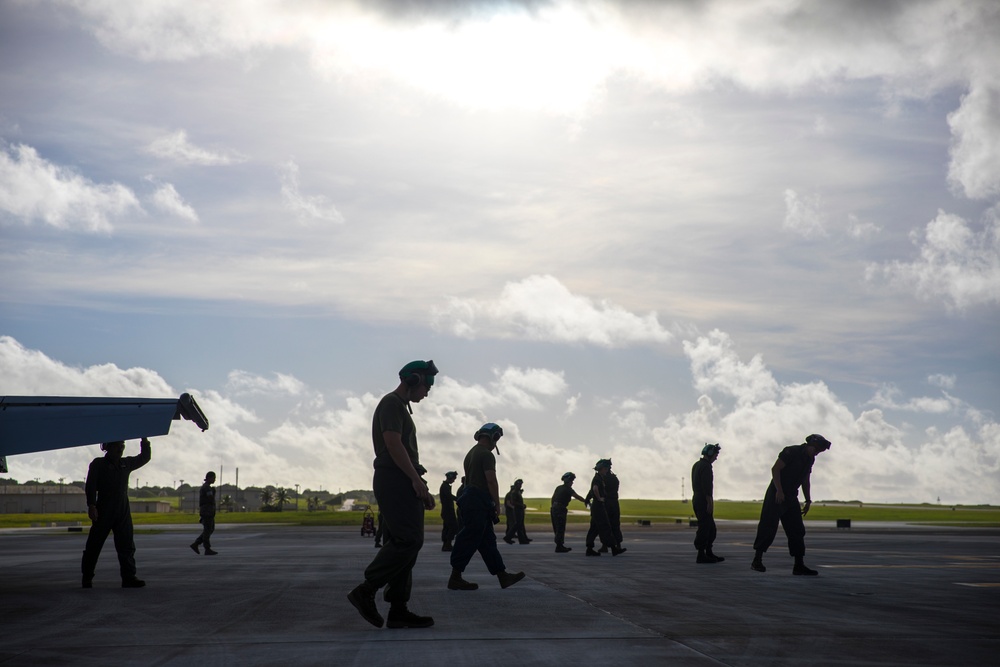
599, 524
206, 511
612, 507
781, 502
449, 522
378, 531
402, 497
510, 515
703, 502
109, 510
479, 503
559, 510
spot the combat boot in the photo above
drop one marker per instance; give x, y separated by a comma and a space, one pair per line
457, 583
704, 558
591, 552
133, 582
401, 617
210, 552
617, 551
194, 547
560, 549
363, 599
800, 568
758, 564
507, 579
714, 556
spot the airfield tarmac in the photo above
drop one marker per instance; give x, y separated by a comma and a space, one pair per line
886, 595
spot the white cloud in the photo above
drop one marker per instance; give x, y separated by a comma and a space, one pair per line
956, 263
887, 399
307, 207
975, 149
716, 367
32, 188
176, 147
860, 229
943, 381
541, 308
804, 214
166, 198
242, 383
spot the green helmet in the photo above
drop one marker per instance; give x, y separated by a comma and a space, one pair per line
416, 372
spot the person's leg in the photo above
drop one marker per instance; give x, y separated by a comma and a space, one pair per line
615, 520
99, 532
403, 535
795, 530
767, 528
125, 546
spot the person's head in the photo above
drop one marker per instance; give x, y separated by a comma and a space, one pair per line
568, 479
113, 449
417, 378
603, 466
450, 476
488, 434
210, 477
818, 443
518, 483
710, 452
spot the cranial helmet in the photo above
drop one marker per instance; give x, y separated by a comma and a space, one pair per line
709, 450
489, 429
568, 477
602, 463
416, 372
105, 446
818, 441
451, 474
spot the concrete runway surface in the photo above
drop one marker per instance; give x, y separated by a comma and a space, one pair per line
885, 595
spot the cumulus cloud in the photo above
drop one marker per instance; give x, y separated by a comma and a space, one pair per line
957, 263
542, 308
804, 214
306, 207
887, 398
34, 189
242, 382
861, 229
975, 150
167, 199
943, 381
175, 146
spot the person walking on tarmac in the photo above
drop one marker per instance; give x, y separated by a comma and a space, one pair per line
479, 504
109, 510
206, 510
449, 522
559, 509
599, 524
402, 496
791, 470
702, 481
612, 507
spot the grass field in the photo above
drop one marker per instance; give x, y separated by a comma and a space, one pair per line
655, 511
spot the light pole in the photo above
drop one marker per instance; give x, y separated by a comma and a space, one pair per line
296, 497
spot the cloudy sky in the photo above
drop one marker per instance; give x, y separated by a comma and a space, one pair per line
620, 229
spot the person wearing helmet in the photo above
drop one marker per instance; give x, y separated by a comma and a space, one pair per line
599, 524
402, 496
449, 522
514, 508
206, 512
791, 470
612, 507
479, 504
702, 482
560, 509
109, 510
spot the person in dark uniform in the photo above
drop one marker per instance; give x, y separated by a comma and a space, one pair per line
612, 507
510, 512
402, 496
479, 503
559, 509
206, 510
449, 522
378, 530
599, 524
791, 470
702, 482
519, 510
109, 510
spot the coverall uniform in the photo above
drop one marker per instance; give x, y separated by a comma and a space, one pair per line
449, 522
206, 510
599, 524
798, 465
478, 511
612, 507
107, 488
702, 482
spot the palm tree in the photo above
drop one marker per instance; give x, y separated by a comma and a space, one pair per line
227, 502
267, 497
281, 499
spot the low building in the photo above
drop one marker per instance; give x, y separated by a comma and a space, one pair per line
141, 506
42, 499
